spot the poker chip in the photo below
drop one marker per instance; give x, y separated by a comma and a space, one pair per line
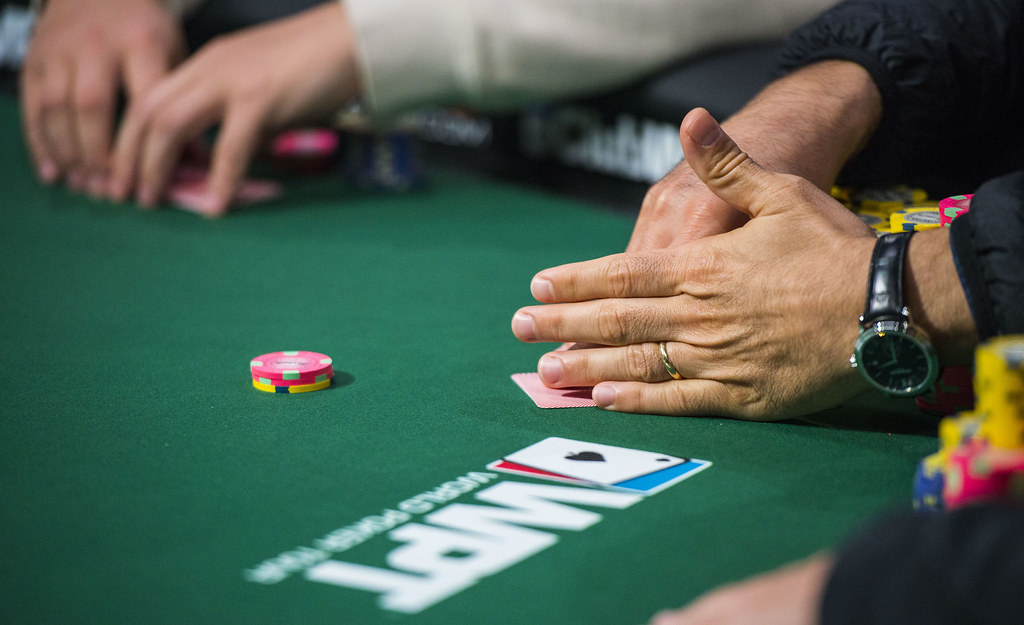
294, 388
914, 219
386, 160
295, 366
305, 379
887, 200
928, 483
952, 207
305, 151
999, 383
877, 220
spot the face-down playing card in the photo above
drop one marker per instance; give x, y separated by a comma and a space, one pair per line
546, 397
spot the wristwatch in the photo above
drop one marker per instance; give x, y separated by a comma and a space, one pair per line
894, 356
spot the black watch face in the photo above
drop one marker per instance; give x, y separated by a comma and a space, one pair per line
897, 363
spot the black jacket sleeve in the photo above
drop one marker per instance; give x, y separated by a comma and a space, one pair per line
951, 76
964, 567
988, 250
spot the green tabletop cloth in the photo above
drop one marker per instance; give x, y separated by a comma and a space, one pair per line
141, 474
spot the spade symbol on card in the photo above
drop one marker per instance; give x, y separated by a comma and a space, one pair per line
586, 456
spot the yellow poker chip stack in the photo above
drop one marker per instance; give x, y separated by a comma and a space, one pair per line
915, 219
999, 386
876, 206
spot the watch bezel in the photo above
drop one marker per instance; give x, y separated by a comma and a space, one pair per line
878, 329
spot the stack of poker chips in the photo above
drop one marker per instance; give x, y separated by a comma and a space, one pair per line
894, 209
952, 207
291, 372
981, 456
388, 159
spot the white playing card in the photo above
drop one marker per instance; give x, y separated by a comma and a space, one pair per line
600, 464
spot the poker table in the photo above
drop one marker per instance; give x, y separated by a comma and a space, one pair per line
144, 480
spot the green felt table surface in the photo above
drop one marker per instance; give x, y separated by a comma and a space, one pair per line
142, 476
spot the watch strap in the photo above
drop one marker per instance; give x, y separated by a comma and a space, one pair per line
885, 278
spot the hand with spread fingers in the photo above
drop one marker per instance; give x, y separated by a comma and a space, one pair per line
249, 83
756, 323
83, 53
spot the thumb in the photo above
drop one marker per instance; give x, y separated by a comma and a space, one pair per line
729, 172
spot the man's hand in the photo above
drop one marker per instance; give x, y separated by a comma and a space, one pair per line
759, 321
680, 208
294, 70
82, 55
808, 124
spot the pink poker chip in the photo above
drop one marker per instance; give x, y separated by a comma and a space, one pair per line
290, 365
310, 142
952, 207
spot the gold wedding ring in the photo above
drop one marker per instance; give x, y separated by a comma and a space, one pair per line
668, 364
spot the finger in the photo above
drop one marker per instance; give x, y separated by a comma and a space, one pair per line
604, 322
33, 124
142, 71
56, 118
656, 273
640, 362
677, 397
237, 141
179, 117
726, 169
94, 98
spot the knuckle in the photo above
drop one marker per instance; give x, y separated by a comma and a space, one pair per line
620, 277
612, 323
726, 169
643, 361
92, 99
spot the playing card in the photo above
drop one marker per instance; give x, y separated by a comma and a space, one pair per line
544, 397
517, 469
190, 184
601, 464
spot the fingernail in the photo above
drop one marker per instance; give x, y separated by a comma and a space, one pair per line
705, 131
48, 171
146, 198
522, 327
604, 395
550, 369
542, 290
118, 190
97, 185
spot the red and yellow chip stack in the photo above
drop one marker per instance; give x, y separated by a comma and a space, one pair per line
987, 463
292, 372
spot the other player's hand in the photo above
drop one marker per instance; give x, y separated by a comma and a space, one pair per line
82, 54
293, 70
759, 322
788, 596
680, 208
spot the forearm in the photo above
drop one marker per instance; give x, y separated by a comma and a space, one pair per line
492, 54
810, 122
946, 71
936, 302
